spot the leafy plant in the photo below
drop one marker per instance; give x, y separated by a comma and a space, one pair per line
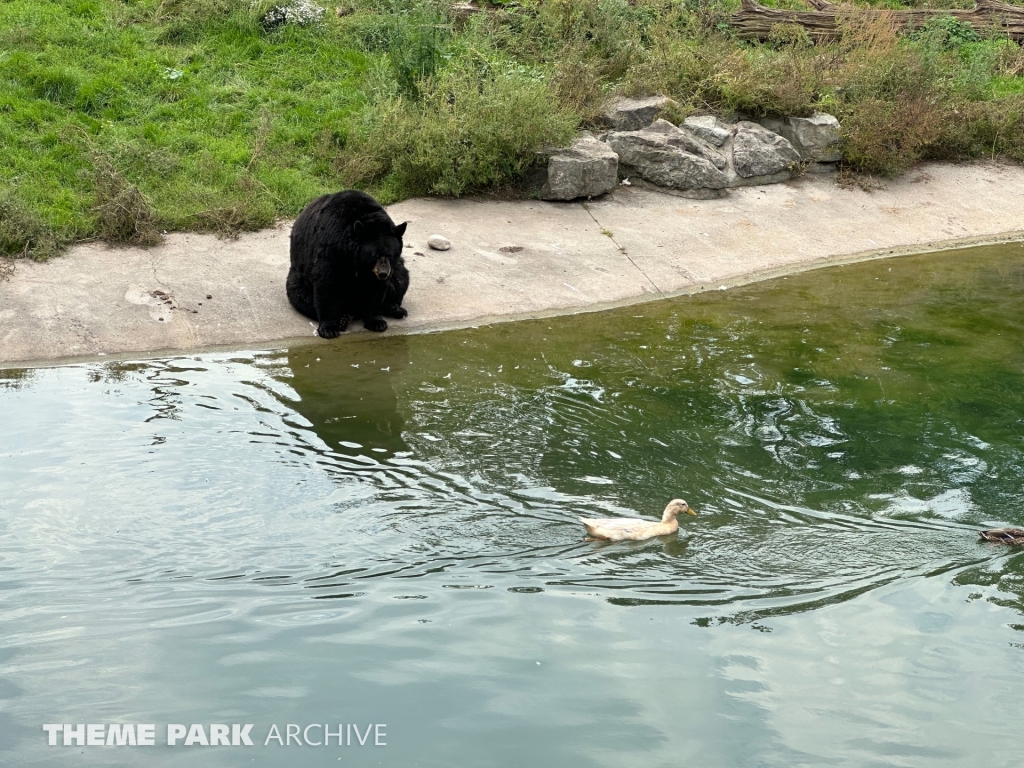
466, 132
945, 32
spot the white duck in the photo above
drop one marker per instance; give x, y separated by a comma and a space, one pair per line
631, 529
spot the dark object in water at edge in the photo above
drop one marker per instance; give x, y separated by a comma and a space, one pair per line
1012, 536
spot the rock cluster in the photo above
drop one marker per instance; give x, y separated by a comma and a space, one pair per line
703, 157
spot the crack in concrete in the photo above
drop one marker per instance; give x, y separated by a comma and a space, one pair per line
622, 250
184, 318
152, 265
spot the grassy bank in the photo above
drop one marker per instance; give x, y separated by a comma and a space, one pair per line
123, 118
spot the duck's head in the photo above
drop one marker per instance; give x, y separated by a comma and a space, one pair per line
676, 507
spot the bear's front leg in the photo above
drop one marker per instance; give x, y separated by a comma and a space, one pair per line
331, 329
375, 323
330, 310
395, 311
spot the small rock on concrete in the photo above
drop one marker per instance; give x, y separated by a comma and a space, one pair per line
633, 114
439, 242
709, 128
816, 138
586, 169
757, 151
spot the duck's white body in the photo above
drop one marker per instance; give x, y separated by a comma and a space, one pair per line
631, 529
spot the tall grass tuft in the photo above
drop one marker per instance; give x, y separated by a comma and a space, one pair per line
467, 131
24, 233
123, 211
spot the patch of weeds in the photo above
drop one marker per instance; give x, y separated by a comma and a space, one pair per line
798, 168
415, 51
124, 214
849, 178
231, 220
676, 113
23, 233
577, 86
983, 128
1009, 60
769, 82
789, 36
7, 267
197, 12
252, 211
54, 84
466, 132
945, 32
888, 137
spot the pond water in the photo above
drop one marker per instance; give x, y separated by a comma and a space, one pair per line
383, 531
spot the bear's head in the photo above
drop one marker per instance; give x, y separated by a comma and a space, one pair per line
378, 245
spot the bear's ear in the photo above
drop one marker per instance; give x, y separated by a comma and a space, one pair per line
400, 229
357, 229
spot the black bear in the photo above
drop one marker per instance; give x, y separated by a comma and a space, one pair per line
346, 262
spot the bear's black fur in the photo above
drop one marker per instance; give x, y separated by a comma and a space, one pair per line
346, 262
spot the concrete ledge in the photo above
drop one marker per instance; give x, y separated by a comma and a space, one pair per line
509, 260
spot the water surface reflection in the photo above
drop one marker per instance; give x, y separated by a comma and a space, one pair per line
383, 530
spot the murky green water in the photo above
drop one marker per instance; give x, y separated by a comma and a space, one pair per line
383, 531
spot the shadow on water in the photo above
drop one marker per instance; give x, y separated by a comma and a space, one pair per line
347, 397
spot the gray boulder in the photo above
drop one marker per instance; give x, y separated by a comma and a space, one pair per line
816, 138
709, 128
586, 169
652, 155
686, 141
757, 151
633, 114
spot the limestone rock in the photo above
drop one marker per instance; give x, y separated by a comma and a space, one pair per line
439, 242
686, 141
586, 169
653, 156
709, 128
633, 114
816, 138
757, 151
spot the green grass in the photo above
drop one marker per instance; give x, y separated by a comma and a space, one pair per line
203, 122
123, 118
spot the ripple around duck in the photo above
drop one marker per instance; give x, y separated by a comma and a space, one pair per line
453, 510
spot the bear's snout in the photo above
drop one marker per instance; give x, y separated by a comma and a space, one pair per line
382, 269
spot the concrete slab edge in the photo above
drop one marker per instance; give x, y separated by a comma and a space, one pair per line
361, 336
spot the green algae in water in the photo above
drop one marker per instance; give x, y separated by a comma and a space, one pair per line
383, 530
